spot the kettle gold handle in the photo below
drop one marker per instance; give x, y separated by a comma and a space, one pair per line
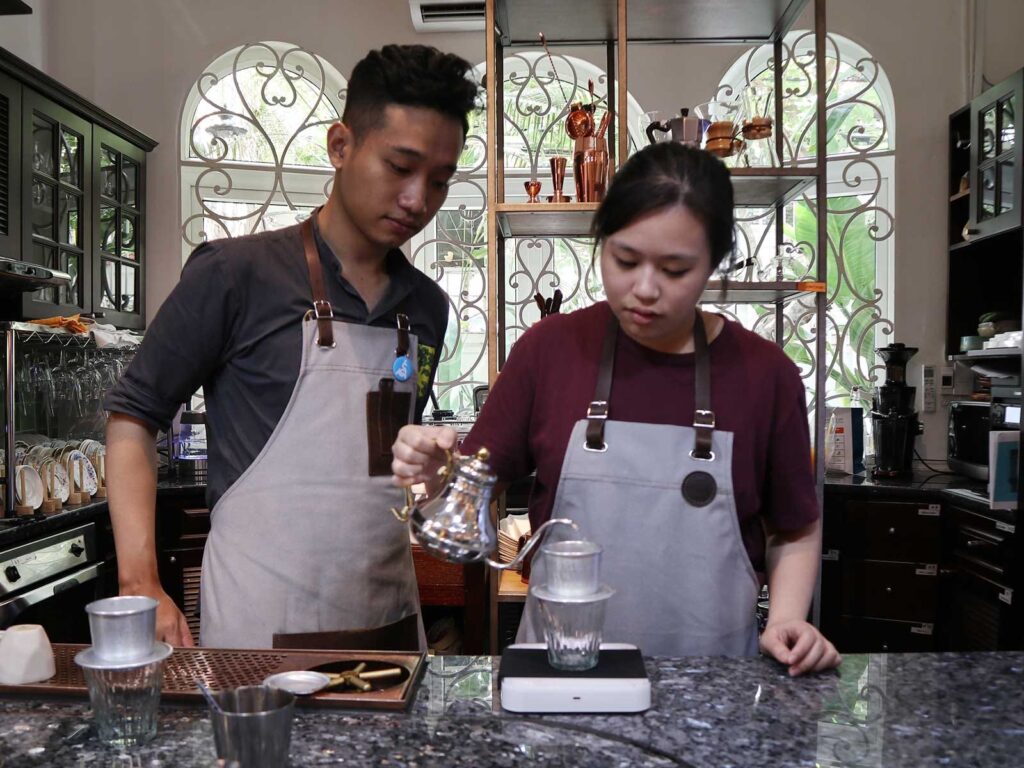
402, 515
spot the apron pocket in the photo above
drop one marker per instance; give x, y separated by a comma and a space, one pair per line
387, 411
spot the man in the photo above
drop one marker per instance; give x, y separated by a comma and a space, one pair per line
313, 345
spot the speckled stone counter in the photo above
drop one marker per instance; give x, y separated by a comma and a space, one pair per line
878, 711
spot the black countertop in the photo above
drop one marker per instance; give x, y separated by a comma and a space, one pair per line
918, 485
877, 711
18, 529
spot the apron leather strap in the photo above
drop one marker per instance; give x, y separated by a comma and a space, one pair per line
703, 416
321, 306
597, 411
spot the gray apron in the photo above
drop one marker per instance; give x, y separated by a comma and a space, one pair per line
659, 500
303, 543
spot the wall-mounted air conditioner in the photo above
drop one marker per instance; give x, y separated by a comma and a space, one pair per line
446, 15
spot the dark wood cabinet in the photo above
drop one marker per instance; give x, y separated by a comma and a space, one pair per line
119, 257
72, 198
10, 172
985, 214
56, 155
879, 581
995, 158
923, 571
983, 610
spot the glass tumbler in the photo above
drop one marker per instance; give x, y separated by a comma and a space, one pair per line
125, 702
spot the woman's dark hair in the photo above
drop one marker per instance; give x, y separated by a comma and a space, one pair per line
667, 174
410, 76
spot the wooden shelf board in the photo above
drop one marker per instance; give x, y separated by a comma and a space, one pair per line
766, 187
649, 21
756, 292
752, 188
974, 355
511, 588
545, 219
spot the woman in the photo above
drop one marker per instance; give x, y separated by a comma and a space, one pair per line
673, 437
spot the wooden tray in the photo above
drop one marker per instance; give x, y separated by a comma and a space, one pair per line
222, 668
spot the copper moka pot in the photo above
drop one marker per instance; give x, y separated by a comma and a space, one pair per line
456, 524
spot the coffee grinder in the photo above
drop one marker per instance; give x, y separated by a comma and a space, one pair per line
893, 417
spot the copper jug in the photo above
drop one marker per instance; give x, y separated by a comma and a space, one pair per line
590, 169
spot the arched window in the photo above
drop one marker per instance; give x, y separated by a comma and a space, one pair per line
453, 250
860, 206
253, 151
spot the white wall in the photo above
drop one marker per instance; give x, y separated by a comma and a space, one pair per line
138, 60
25, 35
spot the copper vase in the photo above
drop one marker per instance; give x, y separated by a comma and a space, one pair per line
590, 169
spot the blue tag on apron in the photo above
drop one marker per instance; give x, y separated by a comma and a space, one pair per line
402, 368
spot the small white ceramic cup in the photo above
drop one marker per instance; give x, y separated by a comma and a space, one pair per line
25, 655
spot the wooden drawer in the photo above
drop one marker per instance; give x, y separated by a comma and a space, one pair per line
981, 613
862, 635
890, 590
903, 531
986, 542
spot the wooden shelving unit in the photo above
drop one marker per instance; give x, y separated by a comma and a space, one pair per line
615, 25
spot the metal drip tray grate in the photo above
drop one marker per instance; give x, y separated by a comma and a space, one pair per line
225, 668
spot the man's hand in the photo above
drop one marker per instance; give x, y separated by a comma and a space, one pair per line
171, 626
800, 646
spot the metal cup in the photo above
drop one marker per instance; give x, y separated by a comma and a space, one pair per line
122, 628
573, 567
253, 726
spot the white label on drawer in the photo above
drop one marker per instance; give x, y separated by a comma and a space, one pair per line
932, 510
830, 554
922, 629
927, 570
1006, 596
1006, 527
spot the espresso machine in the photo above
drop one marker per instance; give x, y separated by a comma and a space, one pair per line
893, 418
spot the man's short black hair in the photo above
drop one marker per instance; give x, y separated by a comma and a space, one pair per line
411, 76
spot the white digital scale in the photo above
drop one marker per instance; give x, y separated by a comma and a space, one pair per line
618, 683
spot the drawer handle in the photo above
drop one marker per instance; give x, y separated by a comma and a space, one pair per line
978, 543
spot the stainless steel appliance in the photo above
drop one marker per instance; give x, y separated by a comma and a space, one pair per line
49, 581
967, 437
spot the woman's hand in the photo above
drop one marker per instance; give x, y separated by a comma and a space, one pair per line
419, 452
800, 646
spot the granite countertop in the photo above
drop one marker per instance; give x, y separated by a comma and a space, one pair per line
877, 711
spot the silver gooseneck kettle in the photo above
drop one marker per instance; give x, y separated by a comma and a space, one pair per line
456, 524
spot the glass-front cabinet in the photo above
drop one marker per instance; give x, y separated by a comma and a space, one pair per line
72, 198
996, 138
117, 277
57, 150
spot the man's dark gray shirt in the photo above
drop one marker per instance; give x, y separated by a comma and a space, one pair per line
233, 326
